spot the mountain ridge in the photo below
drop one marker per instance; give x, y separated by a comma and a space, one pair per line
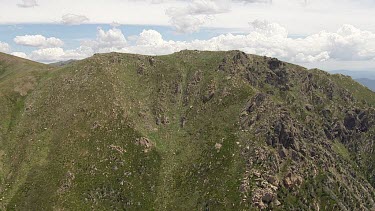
191, 130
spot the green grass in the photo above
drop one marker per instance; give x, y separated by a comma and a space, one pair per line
361, 93
340, 149
65, 127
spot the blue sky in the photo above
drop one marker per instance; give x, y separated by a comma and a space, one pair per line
72, 35
328, 34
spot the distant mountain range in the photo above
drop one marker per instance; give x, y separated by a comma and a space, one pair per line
370, 83
366, 78
62, 63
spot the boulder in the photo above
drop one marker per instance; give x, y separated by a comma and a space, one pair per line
268, 197
145, 143
292, 180
309, 107
218, 146
273, 180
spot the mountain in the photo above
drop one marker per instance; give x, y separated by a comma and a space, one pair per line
366, 78
187, 131
370, 83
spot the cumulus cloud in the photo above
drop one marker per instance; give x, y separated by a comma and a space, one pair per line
59, 54
20, 54
48, 54
189, 18
27, 4
38, 41
115, 24
348, 43
73, 19
4, 47
106, 41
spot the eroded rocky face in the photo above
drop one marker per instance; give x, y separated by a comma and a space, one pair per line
304, 146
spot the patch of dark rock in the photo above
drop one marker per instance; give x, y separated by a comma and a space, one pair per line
327, 114
273, 180
252, 78
141, 70
222, 65
357, 120
278, 78
240, 58
286, 134
274, 64
267, 198
283, 153
256, 101
350, 121
151, 60
295, 156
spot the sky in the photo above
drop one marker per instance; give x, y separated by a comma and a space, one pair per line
325, 34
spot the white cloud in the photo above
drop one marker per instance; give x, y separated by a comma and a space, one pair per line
73, 19
150, 37
188, 19
106, 41
38, 41
269, 29
115, 24
302, 58
59, 54
348, 43
311, 18
28, 3
48, 54
4, 47
20, 54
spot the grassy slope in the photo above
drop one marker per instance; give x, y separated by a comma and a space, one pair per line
18, 79
79, 116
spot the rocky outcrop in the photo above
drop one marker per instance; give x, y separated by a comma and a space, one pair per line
145, 143
275, 64
357, 120
246, 117
292, 181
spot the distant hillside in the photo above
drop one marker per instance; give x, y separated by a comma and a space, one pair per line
366, 78
367, 82
188, 131
62, 63
356, 74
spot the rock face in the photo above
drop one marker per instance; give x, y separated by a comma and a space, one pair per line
275, 64
188, 131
